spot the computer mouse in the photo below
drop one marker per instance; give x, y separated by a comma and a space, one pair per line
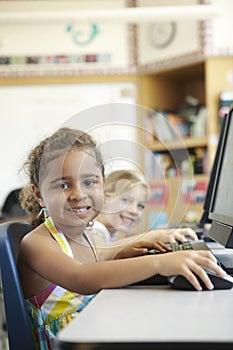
180, 282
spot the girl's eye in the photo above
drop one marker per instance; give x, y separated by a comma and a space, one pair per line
141, 206
90, 183
64, 186
125, 200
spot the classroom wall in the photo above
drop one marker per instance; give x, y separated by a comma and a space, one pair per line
29, 113
222, 29
64, 37
186, 38
191, 39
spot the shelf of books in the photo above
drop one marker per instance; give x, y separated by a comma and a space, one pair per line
177, 145
165, 126
176, 200
177, 163
180, 134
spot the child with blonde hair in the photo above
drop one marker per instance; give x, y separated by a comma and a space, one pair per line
126, 195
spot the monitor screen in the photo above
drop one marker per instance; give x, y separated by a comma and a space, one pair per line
206, 207
221, 206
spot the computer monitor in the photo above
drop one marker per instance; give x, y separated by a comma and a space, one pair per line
206, 207
221, 206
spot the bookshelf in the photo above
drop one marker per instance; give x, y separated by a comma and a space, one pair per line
188, 142
165, 90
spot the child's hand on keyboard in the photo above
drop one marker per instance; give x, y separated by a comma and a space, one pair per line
141, 248
171, 235
189, 264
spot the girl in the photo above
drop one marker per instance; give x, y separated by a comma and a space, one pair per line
57, 263
126, 195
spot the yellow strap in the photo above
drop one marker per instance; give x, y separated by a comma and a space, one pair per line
60, 238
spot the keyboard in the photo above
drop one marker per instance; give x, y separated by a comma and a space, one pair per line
180, 246
187, 245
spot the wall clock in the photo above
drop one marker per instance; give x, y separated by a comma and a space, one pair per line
161, 34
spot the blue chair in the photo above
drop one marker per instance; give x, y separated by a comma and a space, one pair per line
17, 319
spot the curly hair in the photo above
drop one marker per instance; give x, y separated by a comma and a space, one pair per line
35, 165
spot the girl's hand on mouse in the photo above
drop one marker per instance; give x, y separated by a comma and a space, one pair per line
189, 264
171, 235
141, 248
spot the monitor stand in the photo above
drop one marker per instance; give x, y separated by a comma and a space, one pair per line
222, 233
223, 255
226, 260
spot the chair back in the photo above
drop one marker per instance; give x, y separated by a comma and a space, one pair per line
17, 319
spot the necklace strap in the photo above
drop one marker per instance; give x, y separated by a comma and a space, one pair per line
91, 245
59, 236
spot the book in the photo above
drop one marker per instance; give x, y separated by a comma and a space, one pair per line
163, 129
148, 131
179, 124
199, 123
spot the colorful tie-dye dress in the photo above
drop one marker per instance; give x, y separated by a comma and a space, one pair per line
55, 307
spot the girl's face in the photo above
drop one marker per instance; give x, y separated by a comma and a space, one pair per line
123, 211
72, 189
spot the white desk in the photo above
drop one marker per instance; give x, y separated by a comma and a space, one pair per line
154, 317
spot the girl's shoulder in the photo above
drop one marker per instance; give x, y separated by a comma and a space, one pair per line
37, 237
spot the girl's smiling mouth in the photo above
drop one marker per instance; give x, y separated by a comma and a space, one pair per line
80, 210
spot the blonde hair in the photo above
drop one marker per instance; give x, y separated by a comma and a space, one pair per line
120, 181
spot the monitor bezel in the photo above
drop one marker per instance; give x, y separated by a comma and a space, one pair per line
207, 204
222, 225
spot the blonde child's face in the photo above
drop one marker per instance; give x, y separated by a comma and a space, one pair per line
72, 189
123, 211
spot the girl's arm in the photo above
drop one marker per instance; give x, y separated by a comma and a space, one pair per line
171, 235
108, 251
122, 249
50, 263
